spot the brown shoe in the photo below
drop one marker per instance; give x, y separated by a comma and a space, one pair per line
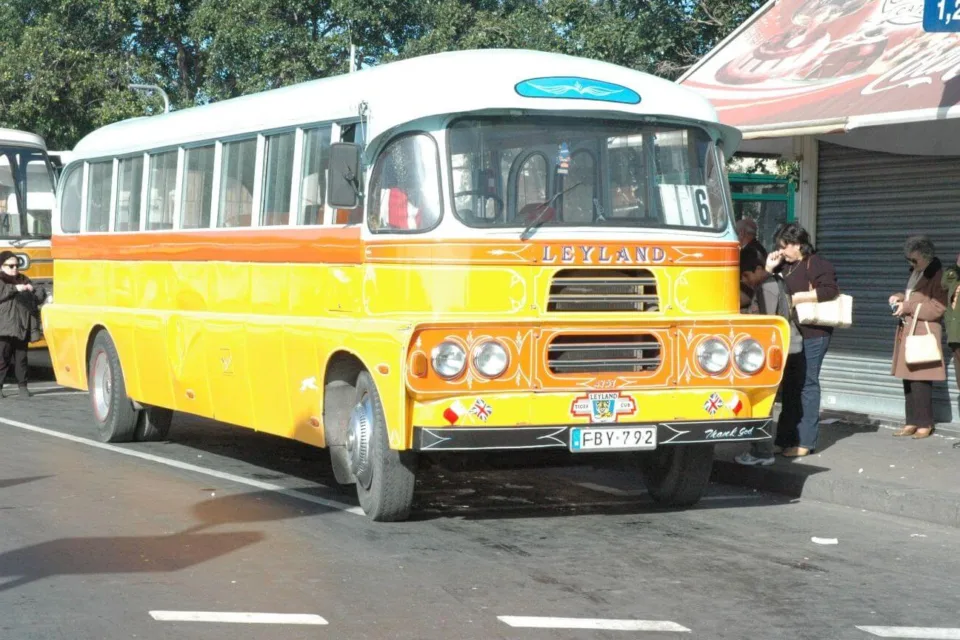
796, 452
907, 430
923, 432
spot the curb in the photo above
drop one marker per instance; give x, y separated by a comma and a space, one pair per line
919, 504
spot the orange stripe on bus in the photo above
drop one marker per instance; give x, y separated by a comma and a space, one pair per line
343, 245
336, 245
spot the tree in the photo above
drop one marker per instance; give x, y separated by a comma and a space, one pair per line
66, 64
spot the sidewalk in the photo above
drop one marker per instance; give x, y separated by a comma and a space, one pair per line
863, 466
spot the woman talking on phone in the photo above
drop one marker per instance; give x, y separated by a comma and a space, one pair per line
808, 277
19, 320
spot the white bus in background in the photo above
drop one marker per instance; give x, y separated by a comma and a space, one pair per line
27, 197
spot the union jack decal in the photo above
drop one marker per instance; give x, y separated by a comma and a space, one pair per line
713, 403
481, 409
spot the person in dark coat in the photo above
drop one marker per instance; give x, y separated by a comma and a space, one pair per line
925, 298
19, 320
808, 277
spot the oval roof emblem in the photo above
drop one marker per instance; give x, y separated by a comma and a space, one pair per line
572, 88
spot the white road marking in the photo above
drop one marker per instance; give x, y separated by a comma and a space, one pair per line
266, 486
592, 623
241, 617
920, 633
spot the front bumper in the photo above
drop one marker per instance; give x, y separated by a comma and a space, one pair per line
558, 436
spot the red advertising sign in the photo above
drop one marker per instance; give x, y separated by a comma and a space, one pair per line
816, 60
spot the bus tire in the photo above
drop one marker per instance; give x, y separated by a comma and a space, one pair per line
153, 424
677, 476
338, 401
385, 477
113, 411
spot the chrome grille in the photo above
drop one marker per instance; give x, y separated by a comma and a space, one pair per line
593, 354
603, 290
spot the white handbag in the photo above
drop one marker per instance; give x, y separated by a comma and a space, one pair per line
923, 349
832, 313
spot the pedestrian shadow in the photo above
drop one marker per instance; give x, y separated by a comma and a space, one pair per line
165, 553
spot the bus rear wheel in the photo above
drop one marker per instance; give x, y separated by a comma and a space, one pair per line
677, 476
113, 412
384, 477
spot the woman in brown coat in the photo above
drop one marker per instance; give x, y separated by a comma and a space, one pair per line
926, 299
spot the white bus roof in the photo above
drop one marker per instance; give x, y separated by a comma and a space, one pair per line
399, 92
15, 136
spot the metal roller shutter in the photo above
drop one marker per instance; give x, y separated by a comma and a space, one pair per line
868, 203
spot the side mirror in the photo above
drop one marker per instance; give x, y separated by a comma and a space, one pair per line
343, 179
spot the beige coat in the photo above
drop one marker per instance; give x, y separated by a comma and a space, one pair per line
930, 293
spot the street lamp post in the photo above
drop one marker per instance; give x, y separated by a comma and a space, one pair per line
153, 87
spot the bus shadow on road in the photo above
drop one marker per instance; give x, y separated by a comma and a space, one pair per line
152, 553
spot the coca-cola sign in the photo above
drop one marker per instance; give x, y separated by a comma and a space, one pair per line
812, 60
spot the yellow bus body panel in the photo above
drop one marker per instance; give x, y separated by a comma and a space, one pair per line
248, 343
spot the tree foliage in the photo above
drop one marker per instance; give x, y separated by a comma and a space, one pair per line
65, 65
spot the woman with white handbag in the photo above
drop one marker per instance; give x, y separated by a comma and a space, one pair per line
809, 278
917, 357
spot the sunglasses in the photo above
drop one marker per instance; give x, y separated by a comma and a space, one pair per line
11, 265
912, 261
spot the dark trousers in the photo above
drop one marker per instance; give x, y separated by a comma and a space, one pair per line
956, 362
918, 402
799, 423
13, 353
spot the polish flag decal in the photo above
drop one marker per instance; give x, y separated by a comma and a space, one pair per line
735, 404
454, 412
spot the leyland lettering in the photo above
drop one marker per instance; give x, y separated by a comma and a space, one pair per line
567, 254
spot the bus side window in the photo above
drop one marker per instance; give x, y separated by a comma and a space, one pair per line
197, 188
70, 203
98, 196
161, 190
313, 182
353, 132
236, 183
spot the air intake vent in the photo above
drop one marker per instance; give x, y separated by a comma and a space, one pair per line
592, 354
603, 290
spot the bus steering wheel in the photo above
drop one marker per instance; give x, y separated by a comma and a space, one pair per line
483, 194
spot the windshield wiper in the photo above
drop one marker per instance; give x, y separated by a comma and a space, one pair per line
538, 219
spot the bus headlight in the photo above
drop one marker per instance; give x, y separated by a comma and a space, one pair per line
449, 359
491, 359
713, 355
748, 354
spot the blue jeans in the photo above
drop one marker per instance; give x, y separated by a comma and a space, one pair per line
799, 423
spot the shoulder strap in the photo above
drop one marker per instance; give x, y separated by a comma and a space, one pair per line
916, 315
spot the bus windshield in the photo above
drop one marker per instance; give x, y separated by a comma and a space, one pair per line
560, 172
26, 193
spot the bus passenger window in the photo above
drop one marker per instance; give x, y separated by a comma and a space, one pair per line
405, 188
236, 183
129, 190
277, 180
98, 196
197, 188
70, 204
161, 190
313, 183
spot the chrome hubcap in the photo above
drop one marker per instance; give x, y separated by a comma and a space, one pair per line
101, 386
359, 434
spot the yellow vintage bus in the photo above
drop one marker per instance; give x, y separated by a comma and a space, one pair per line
480, 250
26, 205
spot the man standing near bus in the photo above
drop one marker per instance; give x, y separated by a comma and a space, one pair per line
747, 233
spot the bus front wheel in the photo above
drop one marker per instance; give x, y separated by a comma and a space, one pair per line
385, 477
677, 476
113, 412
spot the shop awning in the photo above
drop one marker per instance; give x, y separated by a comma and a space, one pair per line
811, 67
